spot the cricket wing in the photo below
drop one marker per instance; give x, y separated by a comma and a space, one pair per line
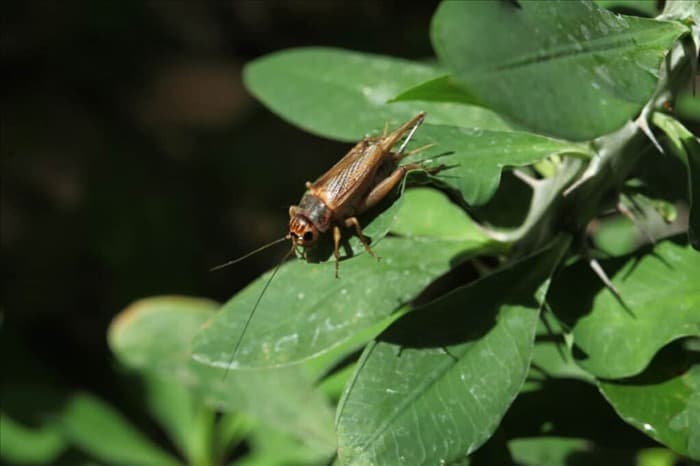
350, 177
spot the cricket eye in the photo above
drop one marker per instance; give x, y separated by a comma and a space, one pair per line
308, 236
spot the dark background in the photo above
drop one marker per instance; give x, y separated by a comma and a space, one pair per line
133, 160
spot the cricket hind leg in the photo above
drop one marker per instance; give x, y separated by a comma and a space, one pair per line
385, 186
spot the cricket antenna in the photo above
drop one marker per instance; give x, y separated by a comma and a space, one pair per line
255, 307
231, 262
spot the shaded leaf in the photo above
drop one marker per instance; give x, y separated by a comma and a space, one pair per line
547, 56
687, 147
550, 355
343, 95
99, 430
664, 400
270, 447
21, 443
182, 415
550, 451
435, 385
154, 335
660, 302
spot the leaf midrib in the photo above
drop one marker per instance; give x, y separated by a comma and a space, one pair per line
599, 45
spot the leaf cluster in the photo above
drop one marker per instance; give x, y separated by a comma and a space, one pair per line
537, 303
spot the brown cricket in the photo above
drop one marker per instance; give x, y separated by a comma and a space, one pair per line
358, 182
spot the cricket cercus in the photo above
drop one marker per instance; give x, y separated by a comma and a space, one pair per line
358, 182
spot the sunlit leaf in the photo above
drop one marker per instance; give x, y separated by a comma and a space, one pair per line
442, 89
343, 95
477, 157
566, 68
307, 311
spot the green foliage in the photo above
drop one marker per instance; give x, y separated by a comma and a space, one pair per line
544, 57
481, 344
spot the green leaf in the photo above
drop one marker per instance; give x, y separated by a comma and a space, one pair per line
648, 7
687, 147
442, 89
550, 451
343, 95
99, 430
616, 236
184, 417
153, 335
20, 443
550, 356
566, 68
435, 385
477, 157
429, 213
273, 448
307, 311
688, 107
664, 400
660, 302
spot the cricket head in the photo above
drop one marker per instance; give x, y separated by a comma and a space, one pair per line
302, 231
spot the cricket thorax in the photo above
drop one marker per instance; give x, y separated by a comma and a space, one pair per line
313, 208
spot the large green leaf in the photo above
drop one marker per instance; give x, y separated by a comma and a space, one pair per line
343, 95
307, 311
477, 157
564, 68
435, 385
154, 336
659, 302
664, 400
99, 430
